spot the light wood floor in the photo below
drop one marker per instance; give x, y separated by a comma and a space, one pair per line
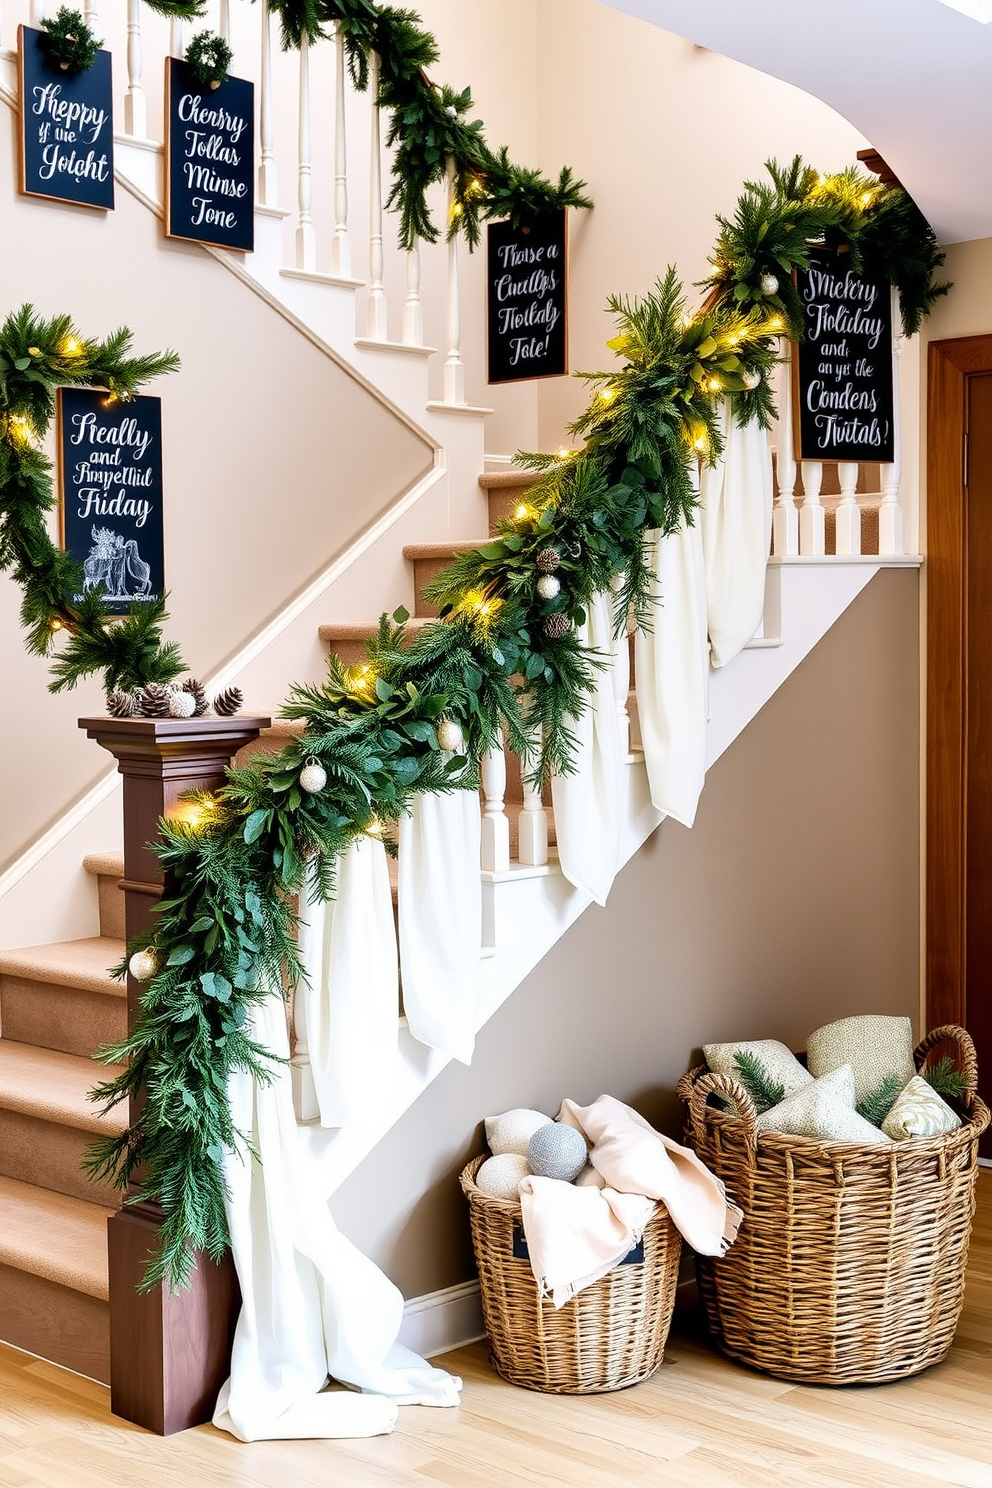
701, 1422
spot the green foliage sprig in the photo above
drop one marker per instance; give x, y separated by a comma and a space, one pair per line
945, 1079
775, 222
877, 1104
753, 1075
68, 42
209, 58
36, 356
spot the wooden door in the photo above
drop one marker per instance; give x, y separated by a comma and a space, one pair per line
959, 692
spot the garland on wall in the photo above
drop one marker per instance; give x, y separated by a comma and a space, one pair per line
417, 715
429, 130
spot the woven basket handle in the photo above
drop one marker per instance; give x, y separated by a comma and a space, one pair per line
967, 1059
730, 1089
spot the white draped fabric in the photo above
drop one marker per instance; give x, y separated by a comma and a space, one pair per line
736, 496
587, 802
440, 914
312, 1305
672, 665
349, 1014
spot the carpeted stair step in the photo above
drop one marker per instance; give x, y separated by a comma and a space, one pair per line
348, 641
47, 1122
430, 559
53, 1277
62, 996
108, 870
506, 492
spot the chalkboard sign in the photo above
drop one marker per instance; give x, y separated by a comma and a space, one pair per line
209, 159
110, 468
844, 363
67, 127
526, 283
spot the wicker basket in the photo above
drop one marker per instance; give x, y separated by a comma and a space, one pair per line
611, 1335
849, 1266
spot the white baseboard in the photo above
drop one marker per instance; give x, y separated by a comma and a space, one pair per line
439, 1321
985, 1162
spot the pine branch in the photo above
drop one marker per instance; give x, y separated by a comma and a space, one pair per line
945, 1079
763, 1090
877, 1104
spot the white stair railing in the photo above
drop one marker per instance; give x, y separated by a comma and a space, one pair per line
135, 103
376, 322
891, 538
306, 239
341, 242
785, 517
847, 542
268, 177
495, 823
812, 517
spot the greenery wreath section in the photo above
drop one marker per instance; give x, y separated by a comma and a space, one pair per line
68, 42
505, 655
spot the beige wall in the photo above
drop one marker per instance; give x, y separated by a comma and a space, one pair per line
794, 900
274, 457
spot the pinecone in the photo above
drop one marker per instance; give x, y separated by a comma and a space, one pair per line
557, 626
196, 692
548, 560
122, 704
228, 702
155, 701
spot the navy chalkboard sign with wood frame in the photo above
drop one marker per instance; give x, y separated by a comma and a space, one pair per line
209, 159
110, 484
527, 286
844, 363
67, 127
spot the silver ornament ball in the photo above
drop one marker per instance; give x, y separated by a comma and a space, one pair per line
313, 777
450, 736
769, 284
548, 587
557, 1151
750, 380
181, 704
143, 965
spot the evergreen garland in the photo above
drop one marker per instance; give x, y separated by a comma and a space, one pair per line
877, 1104
763, 1090
209, 58
68, 42
36, 356
776, 222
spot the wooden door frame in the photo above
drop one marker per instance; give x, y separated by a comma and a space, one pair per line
950, 364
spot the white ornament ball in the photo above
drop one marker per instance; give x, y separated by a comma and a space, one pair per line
512, 1131
451, 111
313, 778
181, 704
500, 1177
143, 965
751, 380
769, 284
450, 735
548, 587
557, 1151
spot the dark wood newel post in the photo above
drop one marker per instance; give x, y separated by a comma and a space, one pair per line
169, 1355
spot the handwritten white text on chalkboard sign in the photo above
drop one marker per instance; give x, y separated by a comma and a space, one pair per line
527, 300
845, 363
67, 145
211, 163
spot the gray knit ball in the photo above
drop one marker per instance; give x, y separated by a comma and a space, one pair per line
557, 1151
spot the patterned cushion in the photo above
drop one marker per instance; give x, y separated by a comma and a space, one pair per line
823, 1109
919, 1111
780, 1062
512, 1131
873, 1045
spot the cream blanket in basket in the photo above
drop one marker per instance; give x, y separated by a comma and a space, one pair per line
576, 1234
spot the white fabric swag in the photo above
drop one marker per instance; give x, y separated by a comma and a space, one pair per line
587, 802
312, 1305
736, 496
672, 668
440, 914
348, 1016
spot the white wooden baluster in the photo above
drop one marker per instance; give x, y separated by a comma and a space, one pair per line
91, 14
533, 824
376, 325
848, 518
812, 517
268, 193
891, 538
224, 21
135, 103
495, 823
454, 368
785, 517
306, 242
301, 1072
177, 40
341, 242
621, 681
37, 13
413, 309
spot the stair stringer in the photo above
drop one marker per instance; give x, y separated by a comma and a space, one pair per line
527, 910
